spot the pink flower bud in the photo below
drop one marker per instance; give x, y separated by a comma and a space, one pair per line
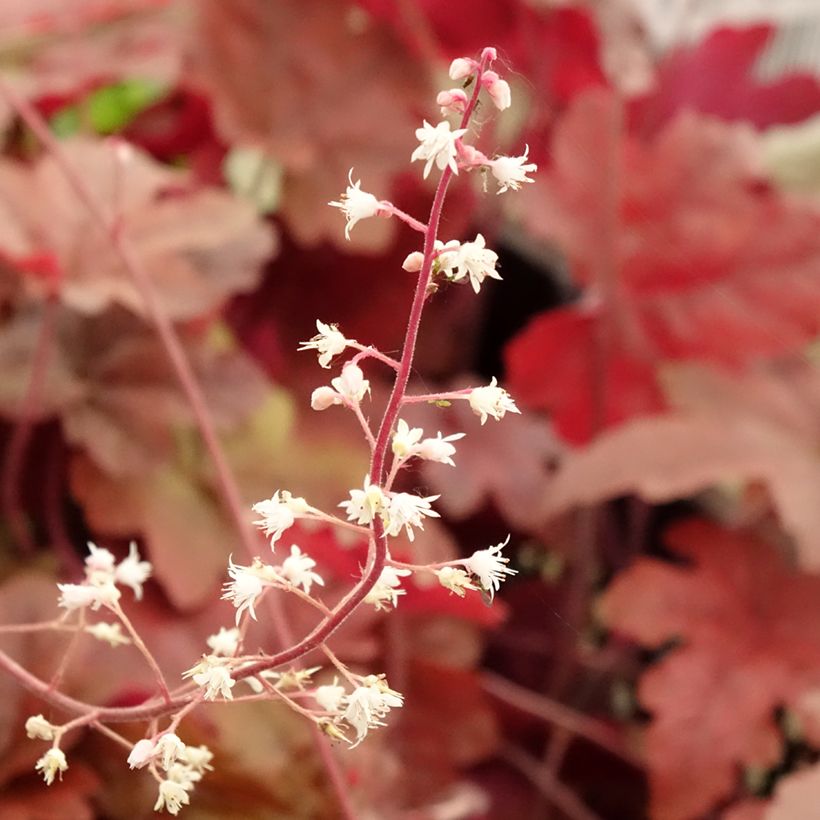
461, 67
498, 89
413, 262
489, 54
324, 397
453, 101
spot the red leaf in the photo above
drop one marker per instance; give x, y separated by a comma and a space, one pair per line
749, 627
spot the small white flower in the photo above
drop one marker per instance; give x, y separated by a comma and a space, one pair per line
143, 752
413, 262
38, 728
475, 260
109, 633
491, 400
169, 747
489, 567
439, 449
278, 513
328, 342
511, 172
406, 439
364, 504
407, 510
384, 594
461, 67
50, 764
183, 775
172, 796
323, 397
330, 696
198, 758
244, 589
351, 385
225, 642
214, 676
132, 572
455, 579
356, 204
99, 560
78, 596
368, 704
297, 569
438, 144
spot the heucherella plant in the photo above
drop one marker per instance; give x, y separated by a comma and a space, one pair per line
342, 704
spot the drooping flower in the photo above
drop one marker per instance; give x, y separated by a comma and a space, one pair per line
452, 101
225, 642
475, 260
490, 567
491, 400
351, 385
328, 342
132, 572
108, 633
511, 172
330, 696
455, 579
244, 589
356, 204
368, 704
364, 504
278, 513
198, 758
384, 594
38, 728
297, 569
498, 89
461, 67
169, 747
172, 796
406, 510
52, 763
438, 145
439, 448
214, 675
143, 753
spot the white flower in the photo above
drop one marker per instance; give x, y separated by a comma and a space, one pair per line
407, 510
78, 596
461, 67
413, 262
364, 504
38, 728
244, 589
225, 642
368, 704
183, 775
198, 758
455, 579
169, 747
99, 560
489, 567
498, 89
297, 569
109, 633
439, 448
52, 762
172, 796
385, 592
356, 204
330, 696
214, 676
351, 385
143, 752
491, 400
323, 397
475, 260
510, 172
132, 572
438, 144
406, 439
328, 342
278, 513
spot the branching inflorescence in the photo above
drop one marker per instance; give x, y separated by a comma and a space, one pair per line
350, 706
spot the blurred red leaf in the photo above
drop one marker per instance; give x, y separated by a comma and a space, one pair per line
749, 632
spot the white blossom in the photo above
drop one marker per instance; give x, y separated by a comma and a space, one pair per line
413, 262
438, 145
356, 204
172, 796
38, 728
297, 569
169, 747
491, 400
329, 697
143, 753
132, 572
511, 172
108, 633
78, 596
366, 705
351, 385
439, 449
225, 642
455, 579
214, 676
489, 567
278, 513
244, 589
184, 775
323, 397
99, 560
198, 758
407, 510
328, 342
364, 504
384, 594
406, 439
475, 260
50, 764
461, 67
